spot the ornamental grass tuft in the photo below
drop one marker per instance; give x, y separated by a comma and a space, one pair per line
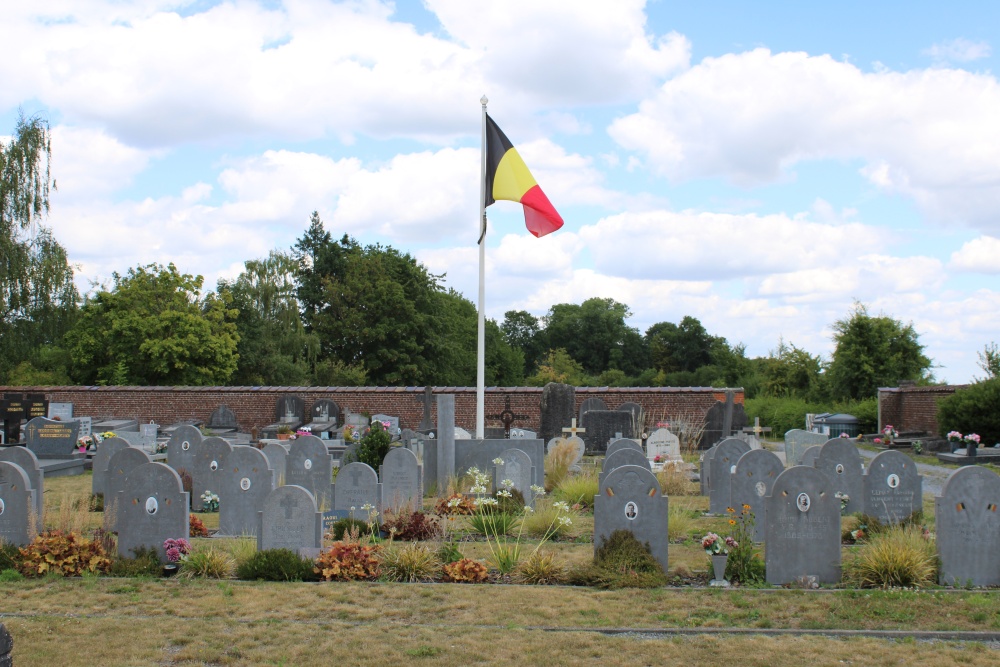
899, 557
621, 562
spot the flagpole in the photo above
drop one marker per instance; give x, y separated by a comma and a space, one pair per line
481, 352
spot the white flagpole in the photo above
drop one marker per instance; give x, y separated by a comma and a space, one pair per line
481, 353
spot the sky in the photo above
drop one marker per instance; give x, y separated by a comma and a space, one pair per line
762, 168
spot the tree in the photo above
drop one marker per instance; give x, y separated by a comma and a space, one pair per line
595, 334
789, 371
274, 348
873, 352
989, 361
154, 328
38, 299
679, 347
523, 331
973, 410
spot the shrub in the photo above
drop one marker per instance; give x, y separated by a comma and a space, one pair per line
405, 524
373, 447
787, 413
455, 504
347, 527
410, 562
210, 563
465, 571
10, 556
196, 527
621, 562
276, 565
867, 526
10, 575
557, 463
449, 552
145, 563
541, 567
67, 554
544, 520
973, 410
898, 557
579, 489
675, 481
348, 561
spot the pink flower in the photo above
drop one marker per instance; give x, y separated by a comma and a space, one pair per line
972, 437
731, 543
877, 441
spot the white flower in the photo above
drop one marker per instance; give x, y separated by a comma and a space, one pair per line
454, 502
498, 461
528, 510
367, 507
539, 490
504, 493
507, 484
566, 521
352, 508
561, 505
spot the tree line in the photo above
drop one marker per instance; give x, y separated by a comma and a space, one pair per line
331, 311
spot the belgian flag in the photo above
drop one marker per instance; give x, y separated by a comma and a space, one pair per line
507, 177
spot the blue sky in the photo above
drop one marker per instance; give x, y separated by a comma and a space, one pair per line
758, 167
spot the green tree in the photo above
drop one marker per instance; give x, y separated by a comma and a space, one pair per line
790, 371
523, 331
973, 410
558, 366
686, 346
154, 328
873, 352
989, 361
595, 334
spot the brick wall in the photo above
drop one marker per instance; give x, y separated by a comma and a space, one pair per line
255, 406
912, 408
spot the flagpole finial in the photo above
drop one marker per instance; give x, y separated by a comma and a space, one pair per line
484, 100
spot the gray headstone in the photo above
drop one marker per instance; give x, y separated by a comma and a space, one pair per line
755, 474
402, 480
181, 447
602, 425
290, 410
393, 423
802, 538
119, 466
102, 458
445, 439
516, 468
289, 519
152, 507
706, 470
623, 457
427, 401
310, 466
558, 407
86, 426
839, 459
637, 413
797, 441
276, 457
50, 439
325, 410
222, 418
523, 434
723, 419
893, 488
579, 448
480, 454
967, 522
17, 501
25, 458
116, 426
245, 481
357, 485
63, 411
623, 443
462, 434
630, 499
206, 475
810, 455
663, 443
587, 405
727, 453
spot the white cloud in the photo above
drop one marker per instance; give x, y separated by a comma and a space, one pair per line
752, 116
981, 255
958, 50
87, 162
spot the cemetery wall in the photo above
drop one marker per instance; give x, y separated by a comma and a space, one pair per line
255, 406
912, 408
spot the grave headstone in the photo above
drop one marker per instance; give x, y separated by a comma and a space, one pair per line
797, 441
17, 502
86, 426
480, 454
245, 481
310, 466
152, 507
427, 401
802, 537
515, 468
664, 444
181, 448
755, 474
840, 460
207, 473
602, 425
35, 405
223, 419
290, 410
638, 415
587, 405
705, 470
522, 434
630, 499
810, 455
276, 456
147, 435
623, 443
64, 411
119, 466
25, 458
579, 449
117, 426
723, 419
621, 457
727, 453
324, 417
289, 519
357, 485
967, 522
393, 423
102, 458
50, 439
558, 407
12, 412
462, 434
893, 488
402, 480
445, 439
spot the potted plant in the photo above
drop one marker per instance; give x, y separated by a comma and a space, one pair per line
177, 551
209, 502
284, 432
718, 549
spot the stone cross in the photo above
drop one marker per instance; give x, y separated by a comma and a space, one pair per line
425, 423
507, 417
573, 429
289, 503
356, 475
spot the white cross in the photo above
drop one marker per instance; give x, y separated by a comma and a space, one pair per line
573, 429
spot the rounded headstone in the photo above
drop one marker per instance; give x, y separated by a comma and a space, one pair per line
153, 507
840, 460
26, 458
102, 457
893, 488
245, 481
967, 523
802, 537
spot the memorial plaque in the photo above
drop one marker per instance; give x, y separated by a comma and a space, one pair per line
50, 439
893, 489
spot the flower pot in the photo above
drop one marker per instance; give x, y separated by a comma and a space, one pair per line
170, 569
719, 566
284, 436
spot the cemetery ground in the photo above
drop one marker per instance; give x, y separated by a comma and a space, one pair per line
178, 621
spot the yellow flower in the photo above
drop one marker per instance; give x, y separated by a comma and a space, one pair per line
730, 510
745, 506
732, 522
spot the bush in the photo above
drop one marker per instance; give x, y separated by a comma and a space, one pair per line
347, 527
145, 563
348, 561
67, 554
621, 562
7, 576
541, 567
744, 564
449, 552
973, 410
899, 557
373, 447
410, 562
465, 571
276, 565
405, 524
455, 504
10, 556
210, 563
579, 489
785, 414
196, 527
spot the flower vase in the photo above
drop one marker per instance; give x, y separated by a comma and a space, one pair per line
970, 449
170, 569
719, 567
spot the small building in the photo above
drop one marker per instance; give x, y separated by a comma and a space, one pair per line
835, 424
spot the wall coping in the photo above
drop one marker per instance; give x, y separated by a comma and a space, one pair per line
345, 390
